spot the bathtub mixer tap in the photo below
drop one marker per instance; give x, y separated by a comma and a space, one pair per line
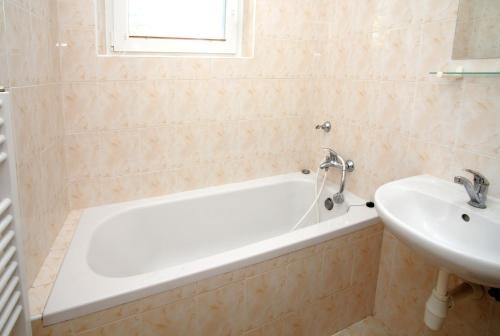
333, 159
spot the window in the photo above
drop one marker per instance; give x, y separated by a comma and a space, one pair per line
176, 26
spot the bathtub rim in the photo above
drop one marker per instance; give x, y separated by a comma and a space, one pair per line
62, 305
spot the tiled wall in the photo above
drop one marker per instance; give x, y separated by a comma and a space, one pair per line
395, 120
315, 291
145, 126
406, 281
30, 68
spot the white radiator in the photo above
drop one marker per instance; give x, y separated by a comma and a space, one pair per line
13, 298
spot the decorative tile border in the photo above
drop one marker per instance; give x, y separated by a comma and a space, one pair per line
40, 290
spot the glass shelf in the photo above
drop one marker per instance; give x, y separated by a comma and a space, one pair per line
464, 73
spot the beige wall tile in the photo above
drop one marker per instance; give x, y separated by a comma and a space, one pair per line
121, 188
78, 58
154, 102
366, 259
337, 269
303, 277
265, 297
16, 23
289, 325
76, 14
436, 114
101, 318
168, 297
480, 124
80, 107
437, 42
222, 311
394, 106
81, 151
325, 316
158, 183
397, 57
117, 105
218, 281
61, 329
173, 319
119, 154
395, 14
131, 326
84, 193
30, 68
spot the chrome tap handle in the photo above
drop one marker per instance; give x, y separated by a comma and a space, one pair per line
349, 166
329, 150
326, 126
331, 153
479, 179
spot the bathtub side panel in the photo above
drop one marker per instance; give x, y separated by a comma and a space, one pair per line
315, 291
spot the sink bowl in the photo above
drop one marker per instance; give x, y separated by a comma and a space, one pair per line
432, 216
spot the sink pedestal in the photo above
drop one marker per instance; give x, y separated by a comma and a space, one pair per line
438, 303
436, 307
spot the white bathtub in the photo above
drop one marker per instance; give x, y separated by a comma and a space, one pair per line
123, 252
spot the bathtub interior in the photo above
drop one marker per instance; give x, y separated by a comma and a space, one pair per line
157, 236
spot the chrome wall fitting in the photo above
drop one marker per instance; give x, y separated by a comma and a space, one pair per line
349, 166
326, 126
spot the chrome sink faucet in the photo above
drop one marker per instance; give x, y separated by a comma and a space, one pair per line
477, 190
333, 159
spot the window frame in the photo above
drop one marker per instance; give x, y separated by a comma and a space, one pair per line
122, 42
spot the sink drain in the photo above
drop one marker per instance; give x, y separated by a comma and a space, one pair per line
465, 217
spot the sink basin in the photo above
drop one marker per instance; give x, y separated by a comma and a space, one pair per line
433, 217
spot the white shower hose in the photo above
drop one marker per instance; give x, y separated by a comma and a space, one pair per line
318, 194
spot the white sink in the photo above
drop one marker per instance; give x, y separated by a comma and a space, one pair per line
432, 216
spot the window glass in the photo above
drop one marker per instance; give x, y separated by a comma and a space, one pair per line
181, 19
